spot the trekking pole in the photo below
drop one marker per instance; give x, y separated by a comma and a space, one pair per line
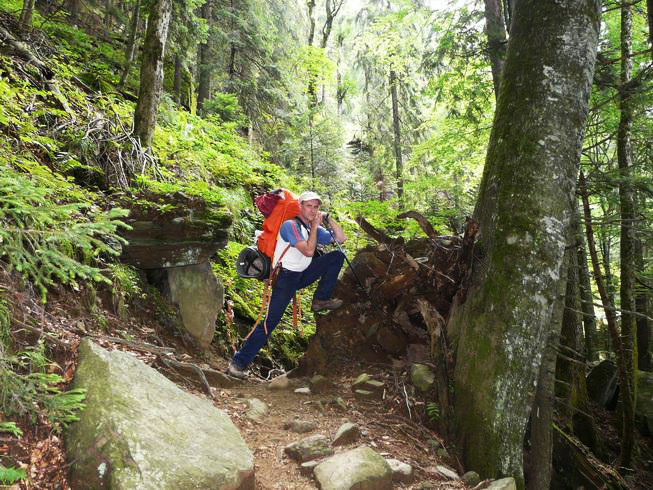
326, 222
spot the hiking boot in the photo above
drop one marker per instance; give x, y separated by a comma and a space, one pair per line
235, 371
326, 304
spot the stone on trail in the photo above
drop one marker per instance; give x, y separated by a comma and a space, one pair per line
307, 468
367, 395
447, 472
471, 479
300, 426
401, 472
346, 434
309, 448
422, 377
320, 384
280, 383
502, 484
360, 469
257, 409
140, 431
303, 391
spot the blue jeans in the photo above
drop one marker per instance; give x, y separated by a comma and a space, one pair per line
325, 267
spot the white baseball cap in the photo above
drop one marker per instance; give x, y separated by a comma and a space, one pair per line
309, 196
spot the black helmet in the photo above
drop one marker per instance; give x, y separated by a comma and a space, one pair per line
253, 264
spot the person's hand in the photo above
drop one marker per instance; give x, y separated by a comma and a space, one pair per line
317, 220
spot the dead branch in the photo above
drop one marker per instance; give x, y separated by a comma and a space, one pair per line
378, 235
423, 223
140, 346
187, 366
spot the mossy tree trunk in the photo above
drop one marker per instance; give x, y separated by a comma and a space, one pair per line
152, 71
26, 14
205, 62
642, 306
396, 131
495, 28
130, 52
626, 240
524, 209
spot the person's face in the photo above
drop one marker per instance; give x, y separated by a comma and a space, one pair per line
309, 209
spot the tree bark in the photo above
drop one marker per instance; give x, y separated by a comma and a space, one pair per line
312, 86
642, 306
649, 14
152, 71
74, 8
502, 329
496, 36
176, 86
205, 69
396, 129
26, 13
131, 43
585, 291
627, 256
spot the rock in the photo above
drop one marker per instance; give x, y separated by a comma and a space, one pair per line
257, 410
471, 479
308, 468
346, 434
644, 406
447, 472
366, 395
422, 377
503, 484
199, 296
188, 232
319, 384
312, 447
340, 404
401, 472
280, 383
221, 380
303, 391
361, 469
602, 384
300, 426
392, 340
146, 433
426, 485
364, 382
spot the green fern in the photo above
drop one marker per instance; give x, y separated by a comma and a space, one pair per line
433, 411
46, 241
11, 428
9, 476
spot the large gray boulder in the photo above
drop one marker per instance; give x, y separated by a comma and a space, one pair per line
360, 469
602, 384
199, 295
140, 431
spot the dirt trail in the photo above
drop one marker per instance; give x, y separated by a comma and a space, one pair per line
382, 423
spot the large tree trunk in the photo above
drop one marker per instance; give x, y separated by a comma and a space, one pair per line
131, 43
496, 37
74, 8
396, 129
524, 208
627, 255
152, 71
205, 68
26, 13
586, 300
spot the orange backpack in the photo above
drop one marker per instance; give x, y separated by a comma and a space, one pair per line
287, 207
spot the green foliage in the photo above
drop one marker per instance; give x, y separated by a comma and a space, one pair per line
433, 411
49, 241
11, 428
126, 286
27, 388
5, 324
226, 107
9, 476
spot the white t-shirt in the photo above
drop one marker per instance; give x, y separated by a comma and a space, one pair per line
290, 233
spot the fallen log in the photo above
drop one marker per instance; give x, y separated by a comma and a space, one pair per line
423, 223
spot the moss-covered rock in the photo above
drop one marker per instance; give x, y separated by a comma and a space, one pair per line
140, 431
361, 468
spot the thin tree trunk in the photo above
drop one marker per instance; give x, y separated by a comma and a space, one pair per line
496, 37
586, 300
152, 71
312, 88
176, 86
74, 7
26, 14
649, 14
396, 128
108, 15
205, 69
610, 314
131, 43
502, 328
624, 156
642, 321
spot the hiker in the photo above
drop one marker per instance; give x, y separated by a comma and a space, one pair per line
300, 266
